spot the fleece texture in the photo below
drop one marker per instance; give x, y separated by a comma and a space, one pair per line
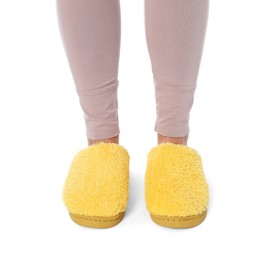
98, 181
175, 184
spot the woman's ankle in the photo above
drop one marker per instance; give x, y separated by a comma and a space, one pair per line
114, 139
176, 140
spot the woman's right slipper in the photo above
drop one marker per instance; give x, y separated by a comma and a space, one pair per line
96, 188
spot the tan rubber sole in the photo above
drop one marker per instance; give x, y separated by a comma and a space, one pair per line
179, 222
97, 222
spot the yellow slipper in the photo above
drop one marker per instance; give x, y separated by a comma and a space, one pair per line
176, 191
96, 189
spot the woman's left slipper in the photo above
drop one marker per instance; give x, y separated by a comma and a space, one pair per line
176, 190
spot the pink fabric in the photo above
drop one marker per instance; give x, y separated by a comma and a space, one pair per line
175, 33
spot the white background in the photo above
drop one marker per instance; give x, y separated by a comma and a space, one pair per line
42, 127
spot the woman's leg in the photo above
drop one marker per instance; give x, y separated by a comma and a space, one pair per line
175, 33
90, 31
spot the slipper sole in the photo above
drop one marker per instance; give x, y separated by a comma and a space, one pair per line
97, 222
179, 222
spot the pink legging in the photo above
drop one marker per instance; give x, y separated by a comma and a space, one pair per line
175, 33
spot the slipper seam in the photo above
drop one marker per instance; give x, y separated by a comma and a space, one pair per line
177, 218
96, 220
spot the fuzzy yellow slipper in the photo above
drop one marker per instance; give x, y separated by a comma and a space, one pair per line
176, 190
96, 188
